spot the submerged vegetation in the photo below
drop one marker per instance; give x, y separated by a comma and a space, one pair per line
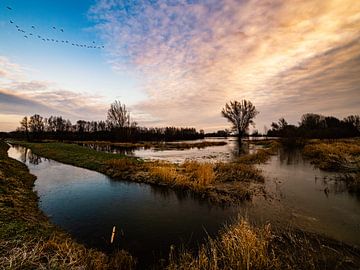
243, 246
28, 240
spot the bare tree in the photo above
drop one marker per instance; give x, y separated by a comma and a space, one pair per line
118, 115
241, 115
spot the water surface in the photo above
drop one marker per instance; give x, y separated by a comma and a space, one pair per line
148, 219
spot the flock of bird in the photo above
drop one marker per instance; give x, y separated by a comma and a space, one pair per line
32, 34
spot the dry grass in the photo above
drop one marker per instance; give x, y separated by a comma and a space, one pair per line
240, 246
124, 164
343, 155
202, 174
230, 172
244, 246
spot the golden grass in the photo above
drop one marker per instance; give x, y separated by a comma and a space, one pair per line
343, 156
243, 246
239, 246
202, 174
124, 164
230, 172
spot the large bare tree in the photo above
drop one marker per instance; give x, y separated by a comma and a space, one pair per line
240, 114
118, 115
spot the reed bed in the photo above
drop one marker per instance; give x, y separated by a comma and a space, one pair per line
241, 246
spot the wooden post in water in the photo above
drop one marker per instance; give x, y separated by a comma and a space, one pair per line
112, 235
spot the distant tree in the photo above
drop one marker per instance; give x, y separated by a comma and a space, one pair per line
353, 120
312, 121
80, 126
118, 116
282, 123
36, 124
24, 126
332, 122
241, 115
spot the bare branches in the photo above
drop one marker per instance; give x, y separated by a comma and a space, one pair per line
118, 116
240, 114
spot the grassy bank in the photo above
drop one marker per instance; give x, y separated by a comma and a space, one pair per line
28, 240
243, 246
342, 156
220, 182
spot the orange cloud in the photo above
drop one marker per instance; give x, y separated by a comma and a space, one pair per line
288, 57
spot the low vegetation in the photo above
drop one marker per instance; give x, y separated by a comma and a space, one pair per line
342, 156
336, 155
243, 246
28, 240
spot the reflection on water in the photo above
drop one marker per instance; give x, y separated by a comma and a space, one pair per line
308, 198
209, 154
148, 219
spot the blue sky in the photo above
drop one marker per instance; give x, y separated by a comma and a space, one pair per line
179, 62
77, 69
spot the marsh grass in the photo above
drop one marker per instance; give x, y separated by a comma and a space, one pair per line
28, 240
341, 156
239, 246
244, 246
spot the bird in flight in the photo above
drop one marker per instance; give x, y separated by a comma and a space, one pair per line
54, 27
11, 21
62, 30
33, 27
17, 26
9, 8
25, 36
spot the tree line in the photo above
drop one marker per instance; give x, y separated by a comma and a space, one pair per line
117, 127
313, 125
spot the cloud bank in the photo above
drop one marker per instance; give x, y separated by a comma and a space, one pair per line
20, 96
288, 57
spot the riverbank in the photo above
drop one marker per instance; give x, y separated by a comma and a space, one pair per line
342, 156
220, 182
28, 240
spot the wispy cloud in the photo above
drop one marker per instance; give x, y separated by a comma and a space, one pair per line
20, 96
288, 57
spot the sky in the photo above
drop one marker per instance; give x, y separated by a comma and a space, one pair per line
178, 62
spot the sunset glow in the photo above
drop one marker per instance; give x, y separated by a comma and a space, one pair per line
179, 62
